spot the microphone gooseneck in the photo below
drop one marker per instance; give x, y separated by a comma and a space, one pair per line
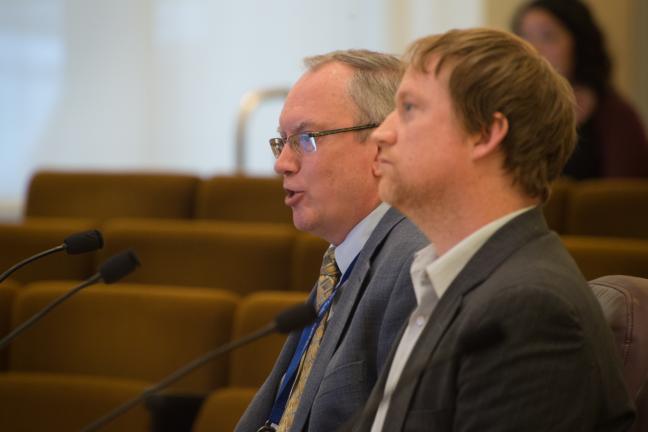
291, 319
118, 266
86, 241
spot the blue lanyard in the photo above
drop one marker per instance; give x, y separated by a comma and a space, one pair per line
307, 334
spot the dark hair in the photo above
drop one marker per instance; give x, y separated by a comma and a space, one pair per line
592, 64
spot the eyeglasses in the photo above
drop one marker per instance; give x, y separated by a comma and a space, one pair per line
305, 142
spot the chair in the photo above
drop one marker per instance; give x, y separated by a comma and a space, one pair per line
307, 259
599, 256
124, 331
110, 194
63, 403
555, 208
106, 345
624, 300
613, 208
8, 291
249, 365
20, 241
223, 409
242, 257
243, 199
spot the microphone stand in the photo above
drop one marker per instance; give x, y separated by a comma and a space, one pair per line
24, 262
175, 376
31, 321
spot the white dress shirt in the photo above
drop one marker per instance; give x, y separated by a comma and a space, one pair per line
431, 277
346, 251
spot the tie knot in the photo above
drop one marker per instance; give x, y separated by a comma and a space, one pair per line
329, 275
329, 266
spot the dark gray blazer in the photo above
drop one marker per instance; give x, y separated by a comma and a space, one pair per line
370, 309
517, 343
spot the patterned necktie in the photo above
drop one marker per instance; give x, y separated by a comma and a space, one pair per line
329, 276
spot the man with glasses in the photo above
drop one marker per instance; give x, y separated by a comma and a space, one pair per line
363, 294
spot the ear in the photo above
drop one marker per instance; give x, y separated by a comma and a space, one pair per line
488, 141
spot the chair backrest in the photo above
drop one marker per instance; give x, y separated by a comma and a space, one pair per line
624, 300
251, 364
240, 257
307, 259
23, 240
554, 209
125, 332
614, 208
8, 291
600, 256
111, 194
243, 199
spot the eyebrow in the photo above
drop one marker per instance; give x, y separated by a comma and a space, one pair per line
301, 127
400, 95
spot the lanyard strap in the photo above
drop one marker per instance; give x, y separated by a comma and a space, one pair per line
304, 340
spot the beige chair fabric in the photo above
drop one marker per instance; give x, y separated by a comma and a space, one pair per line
243, 199
20, 241
599, 256
111, 194
612, 208
124, 331
242, 258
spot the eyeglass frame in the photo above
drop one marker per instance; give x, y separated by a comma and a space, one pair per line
277, 144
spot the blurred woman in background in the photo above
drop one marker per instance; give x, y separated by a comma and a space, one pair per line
612, 139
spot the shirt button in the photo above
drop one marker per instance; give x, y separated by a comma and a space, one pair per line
420, 321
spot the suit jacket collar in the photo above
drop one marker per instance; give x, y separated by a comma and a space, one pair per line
349, 295
495, 251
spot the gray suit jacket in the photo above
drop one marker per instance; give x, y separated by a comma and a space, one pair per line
371, 307
517, 343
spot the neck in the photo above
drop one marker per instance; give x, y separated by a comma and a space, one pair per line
340, 234
446, 224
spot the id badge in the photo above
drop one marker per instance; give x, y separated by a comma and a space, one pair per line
267, 427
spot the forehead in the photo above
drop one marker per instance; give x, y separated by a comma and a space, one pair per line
320, 98
420, 83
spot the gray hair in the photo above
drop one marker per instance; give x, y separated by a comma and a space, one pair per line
374, 83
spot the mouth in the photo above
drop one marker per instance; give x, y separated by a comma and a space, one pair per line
292, 196
381, 164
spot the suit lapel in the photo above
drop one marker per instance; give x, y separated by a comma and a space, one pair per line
348, 296
496, 250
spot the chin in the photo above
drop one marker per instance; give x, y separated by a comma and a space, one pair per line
387, 192
302, 222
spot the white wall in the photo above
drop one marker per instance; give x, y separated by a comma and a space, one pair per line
155, 84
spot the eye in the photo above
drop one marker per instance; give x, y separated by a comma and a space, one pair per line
307, 142
406, 107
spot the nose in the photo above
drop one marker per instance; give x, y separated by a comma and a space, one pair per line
288, 161
385, 134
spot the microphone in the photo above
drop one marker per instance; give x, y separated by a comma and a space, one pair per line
111, 271
86, 241
294, 318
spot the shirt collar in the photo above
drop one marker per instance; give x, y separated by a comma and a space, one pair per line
346, 251
443, 270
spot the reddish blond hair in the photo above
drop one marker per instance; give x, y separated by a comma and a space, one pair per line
493, 71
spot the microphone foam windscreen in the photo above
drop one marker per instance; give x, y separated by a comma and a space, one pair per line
86, 241
295, 318
118, 266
